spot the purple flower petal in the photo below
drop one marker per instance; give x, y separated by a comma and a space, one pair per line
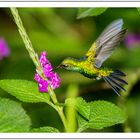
53, 78
4, 50
132, 40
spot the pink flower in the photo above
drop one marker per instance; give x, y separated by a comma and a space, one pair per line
132, 40
53, 78
4, 50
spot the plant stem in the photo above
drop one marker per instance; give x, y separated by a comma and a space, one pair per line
61, 114
63, 118
33, 55
72, 92
58, 108
27, 41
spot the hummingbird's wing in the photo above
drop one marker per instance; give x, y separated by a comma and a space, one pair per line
106, 42
106, 50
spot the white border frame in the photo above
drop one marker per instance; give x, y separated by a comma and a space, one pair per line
93, 135
20, 3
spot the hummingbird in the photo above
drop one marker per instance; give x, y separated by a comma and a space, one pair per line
90, 65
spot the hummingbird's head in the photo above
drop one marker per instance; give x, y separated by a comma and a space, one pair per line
68, 64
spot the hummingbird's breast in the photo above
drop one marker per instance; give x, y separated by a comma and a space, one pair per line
88, 70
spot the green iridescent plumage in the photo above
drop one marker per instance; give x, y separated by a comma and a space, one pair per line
101, 49
84, 67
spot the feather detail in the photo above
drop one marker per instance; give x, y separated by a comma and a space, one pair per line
110, 31
118, 72
116, 82
114, 88
106, 50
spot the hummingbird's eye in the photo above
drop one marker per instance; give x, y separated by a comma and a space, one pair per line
65, 65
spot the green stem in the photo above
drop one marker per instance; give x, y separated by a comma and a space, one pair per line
52, 94
72, 92
63, 118
61, 114
33, 55
27, 42
58, 108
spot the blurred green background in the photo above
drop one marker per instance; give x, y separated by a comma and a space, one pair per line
58, 32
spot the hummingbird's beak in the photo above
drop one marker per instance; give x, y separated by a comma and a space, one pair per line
58, 67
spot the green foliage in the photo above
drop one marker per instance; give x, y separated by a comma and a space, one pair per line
26, 91
13, 118
46, 129
45, 30
86, 12
138, 10
80, 104
97, 114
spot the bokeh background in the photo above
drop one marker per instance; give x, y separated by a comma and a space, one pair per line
58, 32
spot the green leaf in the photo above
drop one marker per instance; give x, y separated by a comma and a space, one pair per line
138, 10
26, 91
86, 12
97, 114
13, 117
47, 129
103, 114
80, 105
82, 123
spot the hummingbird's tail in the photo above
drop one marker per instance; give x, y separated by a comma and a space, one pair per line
115, 81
